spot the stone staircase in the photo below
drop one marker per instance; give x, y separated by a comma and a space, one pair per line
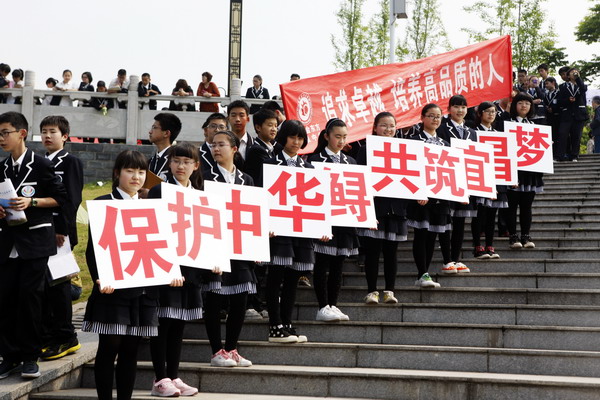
526, 326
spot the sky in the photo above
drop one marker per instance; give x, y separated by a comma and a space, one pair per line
183, 38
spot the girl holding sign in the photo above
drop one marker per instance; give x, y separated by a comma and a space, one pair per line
391, 227
235, 285
530, 183
121, 317
181, 301
330, 255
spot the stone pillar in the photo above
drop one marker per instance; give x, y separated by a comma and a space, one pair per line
27, 101
236, 89
133, 110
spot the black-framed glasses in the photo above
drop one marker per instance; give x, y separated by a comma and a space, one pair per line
6, 133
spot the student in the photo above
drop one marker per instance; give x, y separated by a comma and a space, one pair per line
25, 248
573, 114
257, 91
66, 86
454, 126
182, 300
265, 125
391, 227
290, 257
216, 122
238, 116
522, 195
432, 216
164, 131
487, 208
99, 103
121, 317
16, 83
147, 89
276, 108
538, 100
595, 124
241, 281
543, 70
552, 111
86, 86
61, 338
4, 83
330, 255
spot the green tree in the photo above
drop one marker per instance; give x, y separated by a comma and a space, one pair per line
377, 44
350, 48
588, 31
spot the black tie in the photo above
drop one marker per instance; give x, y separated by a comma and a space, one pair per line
16, 170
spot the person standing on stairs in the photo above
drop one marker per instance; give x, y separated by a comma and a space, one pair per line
330, 255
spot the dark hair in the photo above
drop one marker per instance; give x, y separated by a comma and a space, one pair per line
429, 107
146, 74
563, 70
483, 106
291, 128
457, 100
272, 105
56, 120
17, 72
214, 116
181, 84
568, 72
89, 75
5, 68
522, 97
543, 66
383, 114
551, 80
234, 141
17, 120
238, 104
258, 77
262, 115
67, 70
596, 99
322, 142
294, 76
186, 149
128, 159
52, 81
208, 75
169, 122
121, 72
522, 70
101, 84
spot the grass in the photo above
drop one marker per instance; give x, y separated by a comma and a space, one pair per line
90, 192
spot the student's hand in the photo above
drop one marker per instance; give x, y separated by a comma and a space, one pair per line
217, 270
105, 290
571, 99
206, 94
271, 234
374, 228
143, 193
60, 240
2, 212
537, 101
325, 239
20, 203
464, 203
177, 282
422, 202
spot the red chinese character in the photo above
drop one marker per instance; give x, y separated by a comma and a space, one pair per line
439, 176
182, 223
531, 145
144, 250
300, 191
474, 167
236, 225
403, 158
351, 194
298, 216
108, 239
214, 229
503, 170
500, 145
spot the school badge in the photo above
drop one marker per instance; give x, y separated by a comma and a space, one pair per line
304, 109
28, 191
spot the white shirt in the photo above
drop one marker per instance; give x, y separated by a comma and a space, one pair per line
51, 156
243, 145
229, 176
115, 84
286, 157
126, 196
19, 162
65, 101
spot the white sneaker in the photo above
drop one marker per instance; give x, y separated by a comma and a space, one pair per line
343, 317
184, 388
461, 268
426, 281
222, 359
449, 268
252, 314
372, 298
388, 297
327, 315
240, 361
165, 388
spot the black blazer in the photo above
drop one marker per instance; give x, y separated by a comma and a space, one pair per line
279, 159
36, 178
160, 165
447, 130
537, 93
261, 93
69, 169
142, 93
256, 156
98, 102
241, 178
572, 111
206, 158
85, 88
322, 156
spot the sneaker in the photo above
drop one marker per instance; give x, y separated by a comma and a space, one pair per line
480, 253
165, 388
426, 281
184, 388
449, 268
221, 359
241, 361
343, 317
526, 242
327, 314
492, 253
264, 314
372, 298
461, 268
304, 281
58, 351
252, 314
9, 367
30, 370
388, 297
277, 334
292, 330
514, 242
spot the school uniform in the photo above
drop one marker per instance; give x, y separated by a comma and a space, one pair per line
85, 87
540, 109
206, 159
553, 117
260, 93
595, 130
24, 252
131, 311
572, 118
143, 90
159, 163
246, 143
256, 156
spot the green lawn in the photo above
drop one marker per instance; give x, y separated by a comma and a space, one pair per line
90, 192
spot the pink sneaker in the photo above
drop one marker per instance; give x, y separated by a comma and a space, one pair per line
165, 388
221, 359
185, 389
240, 361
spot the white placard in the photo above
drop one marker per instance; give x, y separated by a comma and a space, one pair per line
7, 192
505, 155
63, 263
479, 167
445, 173
534, 146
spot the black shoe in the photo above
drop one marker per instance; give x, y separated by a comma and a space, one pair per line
479, 252
9, 367
514, 242
278, 334
292, 331
30, 370
526, 242
60, 350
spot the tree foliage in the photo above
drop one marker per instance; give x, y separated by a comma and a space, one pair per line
349, 49
377, 44
588, 30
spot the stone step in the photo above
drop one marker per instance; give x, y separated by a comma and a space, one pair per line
540, 242
564, 202
575, 193
560, 253
378, 383
574, 210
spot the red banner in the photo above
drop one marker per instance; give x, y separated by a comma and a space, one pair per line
480, 72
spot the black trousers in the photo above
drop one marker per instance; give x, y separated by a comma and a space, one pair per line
523, 201
484, 222
58, 314
235, 319
166, 348
373, 248
457, 237
569, 136
327, 286
21, 297
282, 284
109, 347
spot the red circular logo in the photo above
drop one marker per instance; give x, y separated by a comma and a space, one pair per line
304, 109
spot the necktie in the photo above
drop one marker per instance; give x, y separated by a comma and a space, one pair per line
291, 162
461, 131
335, 158
16, 170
